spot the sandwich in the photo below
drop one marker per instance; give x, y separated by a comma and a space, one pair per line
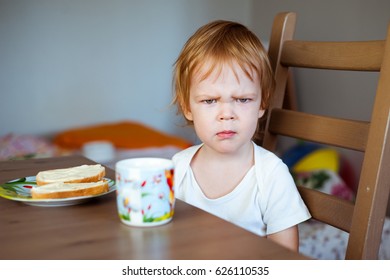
66, 190
78, 174
83, 180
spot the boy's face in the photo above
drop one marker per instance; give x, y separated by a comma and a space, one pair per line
225, 107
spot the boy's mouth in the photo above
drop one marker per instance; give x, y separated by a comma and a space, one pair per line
226, 134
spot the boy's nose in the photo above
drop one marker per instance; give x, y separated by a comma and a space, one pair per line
226, 112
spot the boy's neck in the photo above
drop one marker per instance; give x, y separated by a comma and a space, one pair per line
243, 156
232, 168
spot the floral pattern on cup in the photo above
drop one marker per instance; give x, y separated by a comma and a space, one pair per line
147, 199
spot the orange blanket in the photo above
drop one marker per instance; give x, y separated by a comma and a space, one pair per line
126, 134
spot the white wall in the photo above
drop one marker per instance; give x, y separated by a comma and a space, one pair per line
345, 94
78, 62
65, 63
331, 20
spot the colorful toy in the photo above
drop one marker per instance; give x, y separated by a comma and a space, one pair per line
308, 159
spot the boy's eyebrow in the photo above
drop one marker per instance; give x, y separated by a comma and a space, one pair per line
206, 96
251, 95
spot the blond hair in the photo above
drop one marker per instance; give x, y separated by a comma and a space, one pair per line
217, 43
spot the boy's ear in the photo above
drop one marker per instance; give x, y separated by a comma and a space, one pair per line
185, 110
188, 115
261, 113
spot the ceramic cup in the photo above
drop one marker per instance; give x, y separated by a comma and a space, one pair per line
145, 191
99, 151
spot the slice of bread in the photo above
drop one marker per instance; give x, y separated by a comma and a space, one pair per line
77, 174
65, 190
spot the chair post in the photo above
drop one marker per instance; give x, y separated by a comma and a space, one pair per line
282, 30
374, 190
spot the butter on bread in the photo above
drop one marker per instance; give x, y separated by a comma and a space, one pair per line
82, 180
65, 190
77, 174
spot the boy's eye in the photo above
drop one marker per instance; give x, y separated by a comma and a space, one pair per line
209, 101
243, 100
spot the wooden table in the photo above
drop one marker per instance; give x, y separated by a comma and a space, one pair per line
93, 230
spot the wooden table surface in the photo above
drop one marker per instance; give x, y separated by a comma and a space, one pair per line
93, 230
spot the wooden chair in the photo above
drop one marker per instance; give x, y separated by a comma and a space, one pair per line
363, 219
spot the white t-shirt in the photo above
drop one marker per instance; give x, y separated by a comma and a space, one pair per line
266, 201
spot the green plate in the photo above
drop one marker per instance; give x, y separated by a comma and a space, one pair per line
20, 190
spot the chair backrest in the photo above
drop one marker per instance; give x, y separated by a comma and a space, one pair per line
363, 219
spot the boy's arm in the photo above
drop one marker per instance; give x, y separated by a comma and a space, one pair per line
288, 238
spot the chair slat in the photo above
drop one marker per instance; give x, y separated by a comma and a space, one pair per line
364, 219
327, 208
326, 130
356, 56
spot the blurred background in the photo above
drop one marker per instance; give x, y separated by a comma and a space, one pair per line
70, 63
66, 64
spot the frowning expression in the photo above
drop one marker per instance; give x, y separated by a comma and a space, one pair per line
225, 107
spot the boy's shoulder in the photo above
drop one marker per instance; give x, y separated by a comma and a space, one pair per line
264, 153
187, 154
266, 161
181, 161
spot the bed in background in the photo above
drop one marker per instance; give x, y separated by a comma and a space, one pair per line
325, 169
105, 143
110, 142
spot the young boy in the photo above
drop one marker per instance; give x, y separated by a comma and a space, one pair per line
222, 83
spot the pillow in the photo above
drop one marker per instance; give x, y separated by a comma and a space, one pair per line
324, 180
125, 134
13, 146
322, 168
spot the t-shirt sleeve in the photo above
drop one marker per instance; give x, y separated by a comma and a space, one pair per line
283, 206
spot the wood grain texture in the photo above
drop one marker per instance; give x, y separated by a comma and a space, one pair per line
94, 231
363, 220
